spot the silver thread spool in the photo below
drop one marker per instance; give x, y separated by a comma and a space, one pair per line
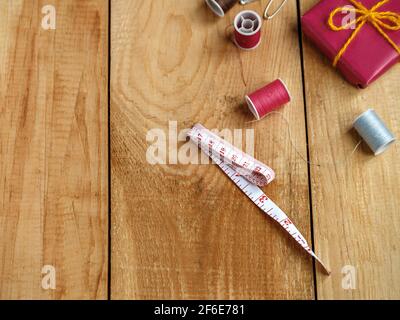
374, 131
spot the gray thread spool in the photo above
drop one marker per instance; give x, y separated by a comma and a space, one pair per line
374, 131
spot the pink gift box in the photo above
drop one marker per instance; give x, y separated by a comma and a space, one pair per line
368, 56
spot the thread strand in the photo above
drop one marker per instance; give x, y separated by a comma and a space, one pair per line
298, 152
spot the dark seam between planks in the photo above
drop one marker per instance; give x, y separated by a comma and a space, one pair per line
109, 150
299, 31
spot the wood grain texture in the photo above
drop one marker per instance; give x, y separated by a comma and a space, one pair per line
185, 231
355, 205
53, 149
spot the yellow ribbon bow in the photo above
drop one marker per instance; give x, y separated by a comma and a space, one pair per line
379, 19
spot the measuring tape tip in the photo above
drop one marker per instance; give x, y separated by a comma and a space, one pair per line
328, 272
326, 269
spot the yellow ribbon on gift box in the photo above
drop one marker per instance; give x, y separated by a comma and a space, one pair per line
379, 19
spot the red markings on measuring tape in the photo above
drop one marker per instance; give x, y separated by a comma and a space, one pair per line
287, 222
262, 198
254, 171
247, 173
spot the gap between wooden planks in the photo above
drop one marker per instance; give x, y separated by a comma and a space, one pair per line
53, 150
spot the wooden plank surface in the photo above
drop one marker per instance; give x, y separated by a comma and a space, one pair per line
53, 149
179, 230
355, 206
185, 231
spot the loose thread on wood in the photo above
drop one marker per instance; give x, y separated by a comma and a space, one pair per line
298, 152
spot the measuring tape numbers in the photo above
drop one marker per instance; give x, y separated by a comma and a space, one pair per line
249, 175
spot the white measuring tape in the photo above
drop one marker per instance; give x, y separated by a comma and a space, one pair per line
248, 174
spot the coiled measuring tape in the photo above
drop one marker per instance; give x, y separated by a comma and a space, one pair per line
248, 174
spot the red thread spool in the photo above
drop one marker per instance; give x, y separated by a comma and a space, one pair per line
247, 26
269, 98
